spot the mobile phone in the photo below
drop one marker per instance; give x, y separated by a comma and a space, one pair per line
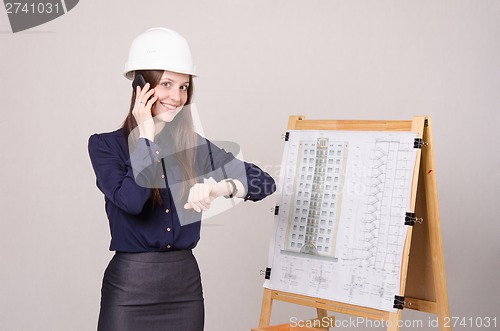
138, 81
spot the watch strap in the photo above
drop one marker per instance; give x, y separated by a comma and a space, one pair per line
235, 189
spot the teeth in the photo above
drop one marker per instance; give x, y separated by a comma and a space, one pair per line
168, 106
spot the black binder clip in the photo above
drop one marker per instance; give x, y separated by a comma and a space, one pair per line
399, 302
276, 210
411, 219
419, 143
266, 273
285, 136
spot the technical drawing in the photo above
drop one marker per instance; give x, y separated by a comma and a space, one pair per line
313, 221
340, 231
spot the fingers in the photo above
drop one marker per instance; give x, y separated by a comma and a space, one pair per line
142, 107
142, 111
143, 95
199, 197
150, 102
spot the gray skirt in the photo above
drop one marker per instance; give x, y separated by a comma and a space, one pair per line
154, 291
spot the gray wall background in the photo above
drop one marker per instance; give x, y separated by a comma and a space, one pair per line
259, 62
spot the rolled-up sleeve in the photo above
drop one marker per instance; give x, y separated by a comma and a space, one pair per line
257, 183
260, 183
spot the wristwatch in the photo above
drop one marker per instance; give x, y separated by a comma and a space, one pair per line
235, 189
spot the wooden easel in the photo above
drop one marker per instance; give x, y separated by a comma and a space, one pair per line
423, 278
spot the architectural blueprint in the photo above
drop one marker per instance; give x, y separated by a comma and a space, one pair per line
339, 230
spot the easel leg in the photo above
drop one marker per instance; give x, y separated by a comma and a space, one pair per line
436, 243
267, 305
322, 314
393, 322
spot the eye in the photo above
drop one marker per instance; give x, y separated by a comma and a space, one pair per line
166, 84
184, 87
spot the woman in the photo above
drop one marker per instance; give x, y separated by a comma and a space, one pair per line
151, 172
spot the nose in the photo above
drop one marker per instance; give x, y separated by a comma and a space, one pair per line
175, 95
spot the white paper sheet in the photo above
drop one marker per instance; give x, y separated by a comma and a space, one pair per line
340, 231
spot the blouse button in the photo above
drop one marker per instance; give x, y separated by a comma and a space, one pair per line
162, 176
168, 246
168, 229
157, 152
167, 211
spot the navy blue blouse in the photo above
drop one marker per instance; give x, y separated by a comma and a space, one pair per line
127, 177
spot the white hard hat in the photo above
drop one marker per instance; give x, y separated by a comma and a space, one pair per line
159, 49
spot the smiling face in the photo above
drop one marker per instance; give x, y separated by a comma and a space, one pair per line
172, 94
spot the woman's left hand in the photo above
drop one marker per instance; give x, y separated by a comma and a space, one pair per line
201, 196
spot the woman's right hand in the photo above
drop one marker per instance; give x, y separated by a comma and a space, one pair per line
142, 112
